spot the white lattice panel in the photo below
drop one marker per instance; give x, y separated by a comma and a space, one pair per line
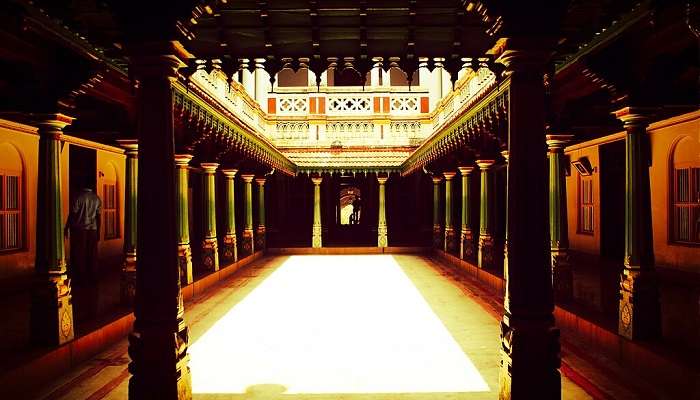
355, 104
405, 104
289, 105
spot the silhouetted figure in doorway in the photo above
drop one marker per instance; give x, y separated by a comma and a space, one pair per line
356, 207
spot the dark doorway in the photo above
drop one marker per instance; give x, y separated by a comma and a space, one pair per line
82, 170
612, 200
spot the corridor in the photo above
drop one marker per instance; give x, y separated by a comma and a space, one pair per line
327, 327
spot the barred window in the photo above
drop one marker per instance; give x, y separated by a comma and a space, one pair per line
10, 211
585, 220
110, 216
686, 205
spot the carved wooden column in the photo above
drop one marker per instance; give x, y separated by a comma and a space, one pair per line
158, 344
128, 282
639, 311
450, 237
382, 231
562, 276
209, 246
229, 243
248, 245
506, 157
529, 341
317, 228
437, 226
184, 251
487, 241
260, 241
467, 235
52, 309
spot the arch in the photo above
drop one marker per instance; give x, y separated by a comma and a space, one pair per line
12, 198
684, 190
110, 201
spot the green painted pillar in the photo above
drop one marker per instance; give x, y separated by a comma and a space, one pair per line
128, 279
382, 231
229, 243
184, 251
437, 226
209, 245
260, 239
248, 245
52, 309
466, 234
487, 243
562, 277
450, 243
639, 311
316, 229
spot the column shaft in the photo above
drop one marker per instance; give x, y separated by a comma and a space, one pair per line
184, 251
209, 246
229, 243
382, 231
316, 241
466, 235
260, 230
562, 277
487, 241
437, 227
128, 281
450, 244
248, 245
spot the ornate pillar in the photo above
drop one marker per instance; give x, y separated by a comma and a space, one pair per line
639, 311
382, 231
210, 245
158, 344
248, 246
128, 282
260, 229
437, 227
229, 249
487, 242
184, 251
467, 235
562, 277
262, 83
529, 339
506, 157
450, 239
316, 241
52, 309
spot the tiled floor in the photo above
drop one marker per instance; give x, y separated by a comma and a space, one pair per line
327, 327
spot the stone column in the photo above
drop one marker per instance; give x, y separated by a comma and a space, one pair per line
316, 241
437, 226
209, 246
52, 309
529, 339
562, 277
184, 251
382, 231
262, 83
506, 157
128, 282
487, 242
260, 240
158, 344
229, 243
248, 246
450, 244
639, 311
467, 235
248, 80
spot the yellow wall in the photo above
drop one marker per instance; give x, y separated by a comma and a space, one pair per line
106, 162
585, 242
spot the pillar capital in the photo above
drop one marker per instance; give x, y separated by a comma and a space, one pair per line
449, 175
157, 59
382, 179
485, 164
506, 155
130, 145
464, 171
260, 180
437, 179
556, 143
526, 53
317, 180
51, 124
247, 178
229, 173
634, 116
209, 168
182, 160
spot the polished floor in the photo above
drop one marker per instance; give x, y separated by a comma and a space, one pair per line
327, 327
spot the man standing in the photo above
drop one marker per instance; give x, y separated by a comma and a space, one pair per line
84, 224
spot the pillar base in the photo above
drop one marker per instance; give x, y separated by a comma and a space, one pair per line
382, 236
316, 235
437, 237
562, 275
247, 245
529, 360
487, 252
52, 311
210, 254
260, 238
229, 250
639, 311
450, 240
128, 281
184, 261
467, 250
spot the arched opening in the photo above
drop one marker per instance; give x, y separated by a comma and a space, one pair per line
350, 203
684, 191
11, 198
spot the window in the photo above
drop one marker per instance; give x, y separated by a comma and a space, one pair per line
10, 211
686, 205
585, 220
110, 218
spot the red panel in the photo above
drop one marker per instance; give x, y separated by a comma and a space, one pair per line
272, 105
424, 105
377, 105
386, 105
321, 105
312, 105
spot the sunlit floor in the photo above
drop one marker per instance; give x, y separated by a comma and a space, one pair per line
328, 327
